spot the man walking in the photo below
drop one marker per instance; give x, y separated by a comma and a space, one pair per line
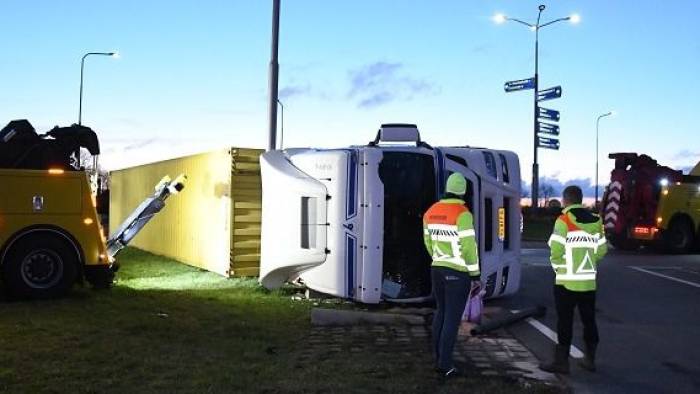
448, 232
577, 245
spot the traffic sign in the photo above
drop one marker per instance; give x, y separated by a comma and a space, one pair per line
549, 94
548, 114
547, 128
522, 84
548, 143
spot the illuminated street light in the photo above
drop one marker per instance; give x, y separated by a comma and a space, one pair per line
597, 123
82, 68
500, 18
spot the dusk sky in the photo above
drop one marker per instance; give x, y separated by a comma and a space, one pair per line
193, 75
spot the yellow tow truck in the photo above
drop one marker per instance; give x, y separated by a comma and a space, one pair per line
50, 233
647, 204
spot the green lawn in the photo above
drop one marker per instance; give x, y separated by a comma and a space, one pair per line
167, 327
538, 228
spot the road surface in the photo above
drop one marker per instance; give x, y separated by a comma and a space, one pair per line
648, 311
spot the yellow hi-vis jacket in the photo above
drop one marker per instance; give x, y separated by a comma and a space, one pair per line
576, 248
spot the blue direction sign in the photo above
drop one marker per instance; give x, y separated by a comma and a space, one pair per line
548, 143
523, 84
547, 114
547, 128
549, 94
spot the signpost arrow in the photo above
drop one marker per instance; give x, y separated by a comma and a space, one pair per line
547, 128
548, 143
522, 84
548, 114
549, 94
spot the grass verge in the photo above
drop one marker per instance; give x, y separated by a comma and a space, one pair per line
168, 327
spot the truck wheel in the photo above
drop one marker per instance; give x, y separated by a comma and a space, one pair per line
679, 237
624, 243
39, 266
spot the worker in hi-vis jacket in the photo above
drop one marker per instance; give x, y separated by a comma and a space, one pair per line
577, 245
448, 232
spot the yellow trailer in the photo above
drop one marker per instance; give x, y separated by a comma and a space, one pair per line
215, 225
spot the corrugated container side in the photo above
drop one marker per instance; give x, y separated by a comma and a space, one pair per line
195, 226
246, 196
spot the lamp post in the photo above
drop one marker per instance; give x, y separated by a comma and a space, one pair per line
500, 18
82, 68
274, 76
281, 124
597, 123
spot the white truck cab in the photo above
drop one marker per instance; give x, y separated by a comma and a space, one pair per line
348, 222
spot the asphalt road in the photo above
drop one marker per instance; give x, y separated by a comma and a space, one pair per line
648, 311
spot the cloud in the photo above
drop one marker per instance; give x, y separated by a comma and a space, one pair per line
586, 184
686, 170
294, 90
483, 48
380, 83
686, 154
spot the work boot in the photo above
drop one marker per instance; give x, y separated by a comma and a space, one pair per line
560, 363
588, 361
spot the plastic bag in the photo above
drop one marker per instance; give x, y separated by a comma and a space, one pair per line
475, 306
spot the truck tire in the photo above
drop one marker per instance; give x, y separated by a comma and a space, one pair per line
41, 265
679, 238
624, 243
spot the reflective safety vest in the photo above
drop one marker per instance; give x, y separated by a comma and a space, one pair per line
576, 249
449, 237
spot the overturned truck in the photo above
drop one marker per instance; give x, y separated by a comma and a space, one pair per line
348, 222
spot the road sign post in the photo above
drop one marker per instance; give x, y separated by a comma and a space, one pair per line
547, 128
549, 94
548, 143
548, 114
521, 84
550, 130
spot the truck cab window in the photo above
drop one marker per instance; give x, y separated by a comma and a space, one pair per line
490, 164
504, 168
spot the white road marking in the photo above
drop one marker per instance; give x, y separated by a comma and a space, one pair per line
574, 352
686, 282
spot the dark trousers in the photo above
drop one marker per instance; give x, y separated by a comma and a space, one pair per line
566, 301
450, 290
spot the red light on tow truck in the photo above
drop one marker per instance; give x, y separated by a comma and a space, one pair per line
643, 232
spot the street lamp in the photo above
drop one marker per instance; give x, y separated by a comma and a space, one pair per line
274, 76
82, 68
281, 124
501, 18
597, 123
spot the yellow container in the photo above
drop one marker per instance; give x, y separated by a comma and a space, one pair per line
214, 224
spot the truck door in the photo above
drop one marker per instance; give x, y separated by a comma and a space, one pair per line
293, 229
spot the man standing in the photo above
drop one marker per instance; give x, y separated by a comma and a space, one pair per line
577, 245
448, 232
